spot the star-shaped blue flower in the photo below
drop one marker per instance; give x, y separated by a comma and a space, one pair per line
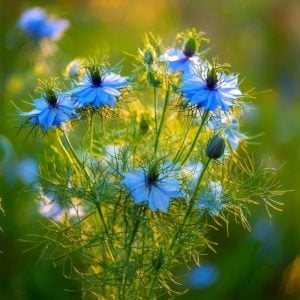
229, 125
155, 190
98, 90
36, 23
211, 89
211, 199
52, 112
180, 61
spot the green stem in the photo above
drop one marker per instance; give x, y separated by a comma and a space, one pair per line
152, 285
77, 160
129, 251
178, 154
190, 207
162, 118
204, 119
155, 108
91, 134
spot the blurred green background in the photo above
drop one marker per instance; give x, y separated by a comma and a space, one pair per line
259, 38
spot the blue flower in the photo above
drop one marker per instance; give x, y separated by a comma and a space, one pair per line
178, 60
52, 110
153, 186
36, 23
203, 276
98, 90
211, 199
229, 125
209, 89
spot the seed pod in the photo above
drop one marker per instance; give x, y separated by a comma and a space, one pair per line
215, 147
148, 57
190, 47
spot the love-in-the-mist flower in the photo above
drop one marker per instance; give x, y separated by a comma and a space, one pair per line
210, 88
229, 125
179, 60
52, 109
154, 185
99, 87
211, 199
187, 59
36, 23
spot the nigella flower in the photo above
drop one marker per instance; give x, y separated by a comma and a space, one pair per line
99, 88
51, 208
155, 186
36, 23
209, 88
180, 60
211, 199
51, 110
229, 125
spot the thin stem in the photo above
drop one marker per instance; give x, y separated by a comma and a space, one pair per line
162, 118
100, 213
152, 285
129, 251
91, 134
179, 152
155, 108
204, 119
66, 152
77, 160
191, 205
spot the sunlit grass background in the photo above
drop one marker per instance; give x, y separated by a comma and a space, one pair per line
259, 38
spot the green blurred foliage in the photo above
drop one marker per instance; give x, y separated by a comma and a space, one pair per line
259, 38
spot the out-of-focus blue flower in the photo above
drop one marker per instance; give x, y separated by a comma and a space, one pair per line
203, 276
209, 89
50, 207
155, 186
211, 199
27, 170
179, 61
52, 111
229, 125
98, 90
36, 23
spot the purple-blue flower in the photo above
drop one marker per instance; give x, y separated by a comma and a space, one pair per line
229, 125
154, 186
210, 89
211, 199
36, 23
179, 60
203, 276
52, 110
98, 89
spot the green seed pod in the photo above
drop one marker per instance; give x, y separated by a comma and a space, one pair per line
215, 147
148, 57
152, 79
190, 47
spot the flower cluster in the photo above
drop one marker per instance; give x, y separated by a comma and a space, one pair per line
146, 176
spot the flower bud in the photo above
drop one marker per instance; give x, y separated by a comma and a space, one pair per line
215, 147
190, 47
152, 79
73, 69
148, 57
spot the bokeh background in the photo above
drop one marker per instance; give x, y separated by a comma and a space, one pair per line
259, 38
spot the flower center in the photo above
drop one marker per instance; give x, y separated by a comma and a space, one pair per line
212, 79
152, 176
51, 97
96, 78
